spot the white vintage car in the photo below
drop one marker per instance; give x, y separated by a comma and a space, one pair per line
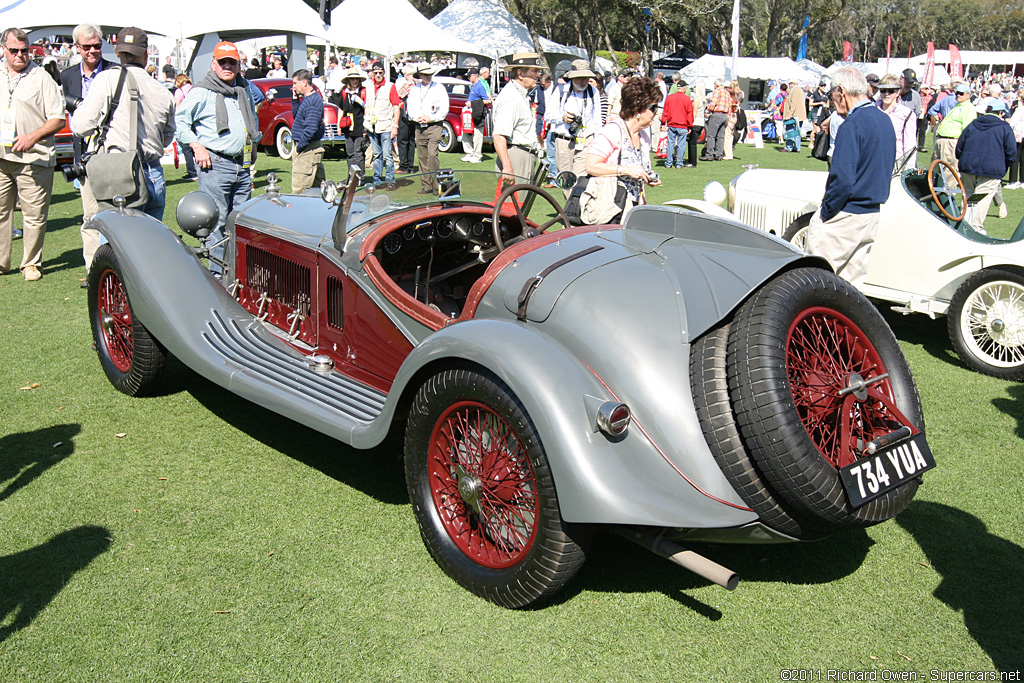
927, 256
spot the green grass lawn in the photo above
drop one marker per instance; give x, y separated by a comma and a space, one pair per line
194, 536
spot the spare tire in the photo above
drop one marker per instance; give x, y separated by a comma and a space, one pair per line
793, 346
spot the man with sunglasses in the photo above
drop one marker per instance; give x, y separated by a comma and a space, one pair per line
76, 81
31, 111
218, 120
154, 124
381, 123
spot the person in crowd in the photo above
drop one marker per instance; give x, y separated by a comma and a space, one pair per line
818, 101
659, 80
278, 70
734, 120
548, 90
623, 147
678, 119
843, 229
154, 127
168, 72
794, 113
693, 139
485, 78
576, 117
406, 128
903, 122
953, 123
352, 102
182, 84
254, 70
515, 134
986, 149
927, 97
1016, 180
909, 96
478, 101
720, 107
382, 103
773, 127
218, 120
598, 85
873, 82
307, 133
32, 113
76, 82
428, 107
613, 91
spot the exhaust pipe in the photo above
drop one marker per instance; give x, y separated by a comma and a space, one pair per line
698, 564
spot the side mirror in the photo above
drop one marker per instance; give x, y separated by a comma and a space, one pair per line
197, 214
566, 180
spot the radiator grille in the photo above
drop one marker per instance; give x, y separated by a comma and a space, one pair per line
282, 280
334, 305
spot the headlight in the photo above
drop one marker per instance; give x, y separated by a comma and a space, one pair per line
731, 204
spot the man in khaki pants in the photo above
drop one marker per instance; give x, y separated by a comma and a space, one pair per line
307, 133
31, 111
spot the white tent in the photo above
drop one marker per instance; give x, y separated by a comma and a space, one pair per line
399, 28
711, 67
488, 24
977, 57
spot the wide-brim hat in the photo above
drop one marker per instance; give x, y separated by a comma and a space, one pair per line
425, 69
580, 69
530, 59
353, 72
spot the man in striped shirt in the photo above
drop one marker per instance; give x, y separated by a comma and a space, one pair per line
719, 108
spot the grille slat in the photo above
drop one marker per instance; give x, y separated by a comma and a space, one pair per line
282, 280
335, 311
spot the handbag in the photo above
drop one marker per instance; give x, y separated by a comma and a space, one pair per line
118, 172
820, 149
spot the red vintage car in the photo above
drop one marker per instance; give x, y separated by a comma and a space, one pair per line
276, 117
458, 96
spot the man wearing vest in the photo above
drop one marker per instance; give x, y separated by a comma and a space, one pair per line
577, 117
382, 103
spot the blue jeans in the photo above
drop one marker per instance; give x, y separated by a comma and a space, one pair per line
229, 184
550, 146
154, 174
380, 143
676, 141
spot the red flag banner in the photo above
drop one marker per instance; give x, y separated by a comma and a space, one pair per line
847, 51
955, 65
929, 65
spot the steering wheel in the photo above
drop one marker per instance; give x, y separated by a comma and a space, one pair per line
951, 194
511, 192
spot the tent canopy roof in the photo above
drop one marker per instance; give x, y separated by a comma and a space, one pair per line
764, 68
406, 30
488, 24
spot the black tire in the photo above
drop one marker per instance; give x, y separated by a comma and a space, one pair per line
986, 323
283, 143
508, 545
796, 233
793, 345
710, 383
448, 139
131, 358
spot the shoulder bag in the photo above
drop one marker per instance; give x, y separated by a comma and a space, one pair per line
598, 200
112, 172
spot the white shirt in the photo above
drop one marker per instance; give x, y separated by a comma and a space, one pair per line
513, 116
428, 100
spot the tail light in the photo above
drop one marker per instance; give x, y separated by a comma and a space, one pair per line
613, 418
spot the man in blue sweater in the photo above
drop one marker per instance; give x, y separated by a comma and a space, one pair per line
307, 133
985, 149
843, 229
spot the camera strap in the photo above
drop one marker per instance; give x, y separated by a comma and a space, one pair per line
104, 127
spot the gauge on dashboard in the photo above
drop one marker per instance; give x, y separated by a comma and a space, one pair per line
479, 229
426, 232
392, 243
463, 227
445, 228
409, 232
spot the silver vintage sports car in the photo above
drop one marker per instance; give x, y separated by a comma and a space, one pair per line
676, 378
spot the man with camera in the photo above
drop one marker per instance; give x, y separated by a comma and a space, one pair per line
76, 81
577, 117
153, 126
31, 111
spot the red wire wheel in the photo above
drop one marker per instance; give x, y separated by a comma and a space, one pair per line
482, 485
131, 358
805, 355
482, 490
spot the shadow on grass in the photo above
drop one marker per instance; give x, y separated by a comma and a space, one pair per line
980, 576
26, 455
377, 472
930, 335
616, 565
31, 579
1013, 406
70, 259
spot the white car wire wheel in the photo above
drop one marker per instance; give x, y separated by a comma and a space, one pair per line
131, 358
710, 383
796, 233
986, 323
795, 348
483, 493
283, 143
448, 138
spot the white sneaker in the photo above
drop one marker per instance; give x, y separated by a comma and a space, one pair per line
474, 160
1002, 210
467, 158
1013, 186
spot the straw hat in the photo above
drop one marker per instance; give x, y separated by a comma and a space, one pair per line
580, 69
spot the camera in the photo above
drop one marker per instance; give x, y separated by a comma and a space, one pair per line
653, 177
575, 121
71, 102
73, 171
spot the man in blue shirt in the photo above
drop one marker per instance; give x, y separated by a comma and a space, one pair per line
307, 133
843, 229
479, 98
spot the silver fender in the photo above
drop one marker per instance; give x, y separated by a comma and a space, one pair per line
598, 480
701, 206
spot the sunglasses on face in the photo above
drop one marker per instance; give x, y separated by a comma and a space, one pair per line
91, 46
654, 107
227, 63
17, 50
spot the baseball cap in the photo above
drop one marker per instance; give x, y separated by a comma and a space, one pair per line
963, 88
226, 49
910, 75
377, 65
872, 79
133, 41
996, 106
472, 71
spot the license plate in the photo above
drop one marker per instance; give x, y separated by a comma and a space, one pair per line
875, 475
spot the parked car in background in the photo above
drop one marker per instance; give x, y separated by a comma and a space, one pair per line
927, 257
458, 96
275, 117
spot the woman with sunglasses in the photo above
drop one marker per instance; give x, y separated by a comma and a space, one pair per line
623, 147
904, 122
